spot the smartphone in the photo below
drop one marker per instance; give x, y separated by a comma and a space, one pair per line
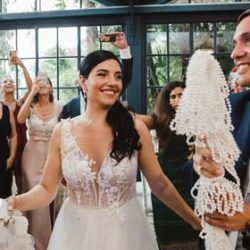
12, 56
107, 38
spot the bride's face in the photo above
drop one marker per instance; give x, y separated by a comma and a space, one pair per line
104, 83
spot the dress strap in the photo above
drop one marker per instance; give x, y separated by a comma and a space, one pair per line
65, 135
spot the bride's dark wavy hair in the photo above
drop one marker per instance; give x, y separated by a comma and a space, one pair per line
126, 137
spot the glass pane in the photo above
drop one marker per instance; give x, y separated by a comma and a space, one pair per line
47, 42
25, 37
8, 41
224, 38
89, 39
30, 66
156, 39
67, 72
51, 5
67, 41
152, 93
6, 69
20, 93
18, 6
203, 36
72, 4
179, 38
111, 28
177, 67
67, 94
202, 1
212, 1
107, 30
49, 66
180, 1
59, 5
226, 64
157, 70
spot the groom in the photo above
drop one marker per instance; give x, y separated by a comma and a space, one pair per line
77, 105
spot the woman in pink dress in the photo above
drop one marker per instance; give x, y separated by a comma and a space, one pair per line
41, 114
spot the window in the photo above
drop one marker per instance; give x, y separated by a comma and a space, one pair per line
169, 46
55, 50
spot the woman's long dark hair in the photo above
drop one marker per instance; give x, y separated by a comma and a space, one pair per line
126, 137
163, 114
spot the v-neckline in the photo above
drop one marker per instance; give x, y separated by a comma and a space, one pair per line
86, 155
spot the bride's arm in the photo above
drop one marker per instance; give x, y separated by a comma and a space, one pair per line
43, 193
160, 185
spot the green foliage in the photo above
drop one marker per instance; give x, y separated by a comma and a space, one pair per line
67, 71
226, 63
167, 67
4, 4
60, 4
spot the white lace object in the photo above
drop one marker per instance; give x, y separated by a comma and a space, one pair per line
204, 109
13, 230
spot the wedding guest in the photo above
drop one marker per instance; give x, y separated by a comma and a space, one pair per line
172, 232
41, 114
240, 104
8, 87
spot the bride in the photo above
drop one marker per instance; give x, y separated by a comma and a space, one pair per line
98, 154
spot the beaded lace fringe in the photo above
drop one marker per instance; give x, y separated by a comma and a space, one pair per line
205, 110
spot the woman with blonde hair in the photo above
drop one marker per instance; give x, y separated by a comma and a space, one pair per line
8, 87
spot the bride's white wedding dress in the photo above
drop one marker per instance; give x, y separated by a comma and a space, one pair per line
101, 212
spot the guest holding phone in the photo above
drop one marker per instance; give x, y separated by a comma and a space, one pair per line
8, 87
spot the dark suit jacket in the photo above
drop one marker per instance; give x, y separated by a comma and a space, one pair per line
241, 121
72, 108
240, 115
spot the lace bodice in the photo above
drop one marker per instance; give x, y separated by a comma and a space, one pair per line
40, 128
111, 187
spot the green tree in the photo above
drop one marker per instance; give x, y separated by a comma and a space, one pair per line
60, 4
